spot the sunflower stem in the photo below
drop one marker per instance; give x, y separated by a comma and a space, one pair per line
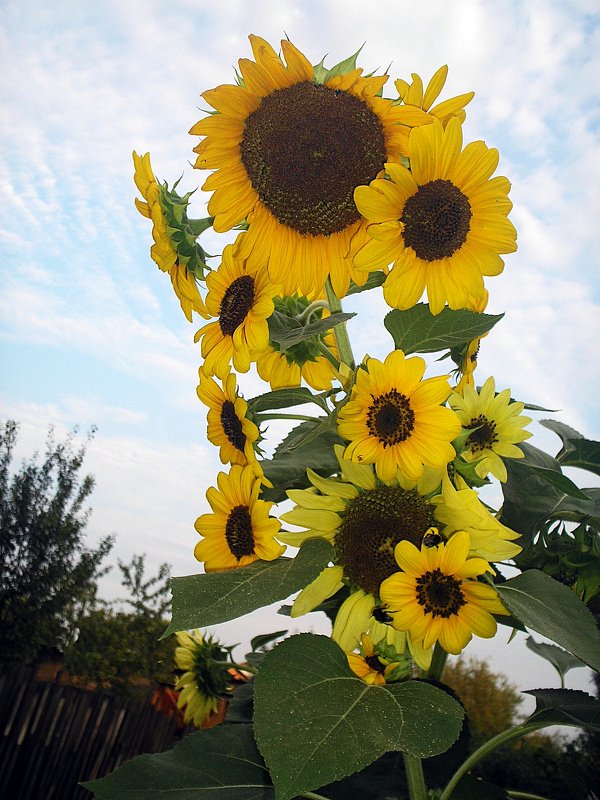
310, 309
414, 777
340, 332
326, 352
264, 417
313, 796
438, 662
524, 795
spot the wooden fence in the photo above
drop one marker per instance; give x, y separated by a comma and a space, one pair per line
53, 736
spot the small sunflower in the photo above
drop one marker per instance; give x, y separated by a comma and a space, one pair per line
497, 426
229, 427
163, 251
436, 598
394, 418
412, 94
289, 147
375, 664
239, 530
443, 224
242, 299
205, 679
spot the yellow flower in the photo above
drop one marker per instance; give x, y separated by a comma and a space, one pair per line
202, 683
288, 153
229, 428
442, 225
162, 251
242, 299
412, 94
371, 666
394, 418
239, 529
497, 427
435, 597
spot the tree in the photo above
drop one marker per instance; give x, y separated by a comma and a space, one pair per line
47, 574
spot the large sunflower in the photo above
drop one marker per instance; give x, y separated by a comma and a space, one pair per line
436, 598
497, 426
239, 529
394, 418
443, 224
242, 299
288, 152
229, 427
162, 251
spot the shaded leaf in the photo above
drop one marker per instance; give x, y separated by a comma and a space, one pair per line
288, 331
561, 481
220, 763
419, 331
266, 638
584, 454
559, 658
549, 608
319, 723
286, 398
201, 600
471, 788
565, 707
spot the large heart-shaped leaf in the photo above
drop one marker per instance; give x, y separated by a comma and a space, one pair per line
316, 722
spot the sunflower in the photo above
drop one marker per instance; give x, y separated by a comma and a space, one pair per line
443, 225
229, 427
375, 664
163, 251
289, 147
436, 598
239, 529
394, 418
203, 682
497, 425
242, 299
412, 94
304, 360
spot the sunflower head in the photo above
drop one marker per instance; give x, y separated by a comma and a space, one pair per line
378, 664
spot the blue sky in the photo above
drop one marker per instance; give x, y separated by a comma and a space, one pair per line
90, 332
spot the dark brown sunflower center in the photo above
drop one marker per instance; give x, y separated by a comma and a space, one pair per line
439, 594
484, 436
236, 303
232, 426
305, 150
375, 663
391, 418
238, 532
436, 220
371, 526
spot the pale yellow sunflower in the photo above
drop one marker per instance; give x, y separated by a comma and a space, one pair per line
239, 530
163, 251
229, 427
242, 299
202, 684
442, 225
394, 419
497, 426
288, 152
412, 94
436, 598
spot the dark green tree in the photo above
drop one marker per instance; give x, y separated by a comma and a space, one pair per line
47, 573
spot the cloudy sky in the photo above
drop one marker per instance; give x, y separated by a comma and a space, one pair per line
90, 332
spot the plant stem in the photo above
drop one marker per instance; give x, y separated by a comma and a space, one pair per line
524, 795
438, 662
414, 777
341, 334
313, 796
264, 417
326, 352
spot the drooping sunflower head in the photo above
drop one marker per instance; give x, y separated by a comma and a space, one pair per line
395, 420
497, 425
239, 530
412, 94
378, 663
164, 251
242, 300
443, 224
289, 146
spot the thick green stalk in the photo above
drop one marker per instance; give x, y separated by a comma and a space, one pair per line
414, 777
438, 662
524, 795
340, 332
263, 417
313, 796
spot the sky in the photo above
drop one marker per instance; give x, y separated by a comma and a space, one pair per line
90, 332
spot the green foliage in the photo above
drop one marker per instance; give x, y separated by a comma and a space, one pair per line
284, 398
222, 763
184, 232
565, 707
47, 574
562, 661
316, 722
288, 331
200, 600
417, 330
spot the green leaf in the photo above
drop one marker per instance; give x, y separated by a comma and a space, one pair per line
266, 638
287, 331
374, 280
220, 763
565, 432
317, 722
565, 707
584, 454
559, 658
471, 788
564, 484
345, 66
419, 331
286, 398
549, 608
200, 600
